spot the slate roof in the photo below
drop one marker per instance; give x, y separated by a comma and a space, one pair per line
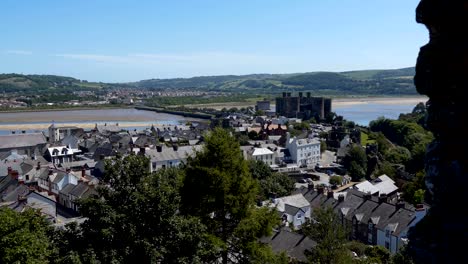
67, 189
170, 154
79, 189
20, 190
59, 176
293, 244
21, 140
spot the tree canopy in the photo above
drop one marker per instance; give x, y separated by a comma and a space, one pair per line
24, 237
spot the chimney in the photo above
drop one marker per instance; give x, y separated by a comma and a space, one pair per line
300, 94
38, 167
22, 198
320, 189
340, 198
83, 171
367, 196
142, 151
21, 180
308, 94
68, 170
400, 205
383, 198
329, 194
51, 171
159, 148
175, 147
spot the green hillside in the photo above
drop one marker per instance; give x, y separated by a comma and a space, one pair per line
365, 82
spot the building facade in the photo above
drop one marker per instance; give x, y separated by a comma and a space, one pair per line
303, 107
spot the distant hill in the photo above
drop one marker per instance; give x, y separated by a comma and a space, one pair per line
369, 82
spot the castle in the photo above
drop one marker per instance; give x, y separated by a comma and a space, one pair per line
303, 107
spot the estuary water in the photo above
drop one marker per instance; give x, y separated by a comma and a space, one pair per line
127, 118
364, 112
361, 111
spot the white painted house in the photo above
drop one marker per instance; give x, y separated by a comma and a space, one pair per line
295, 209
61, 154
165, 157
394, 234
305, 152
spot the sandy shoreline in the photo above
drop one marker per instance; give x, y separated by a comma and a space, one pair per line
336, 102
19, 127
143, 119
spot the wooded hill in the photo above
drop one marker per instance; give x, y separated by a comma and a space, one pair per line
366, 82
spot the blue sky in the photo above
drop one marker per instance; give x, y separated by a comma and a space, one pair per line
115, 41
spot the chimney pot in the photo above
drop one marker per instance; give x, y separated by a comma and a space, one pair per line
400, 205
341, 198
367, 196
159, 148
330, 194
383, 198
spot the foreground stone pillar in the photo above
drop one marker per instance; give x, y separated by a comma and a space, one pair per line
442, 74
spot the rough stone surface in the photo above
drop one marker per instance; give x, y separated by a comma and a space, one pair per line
442, 74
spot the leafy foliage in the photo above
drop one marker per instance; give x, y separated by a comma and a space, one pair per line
335, 180
136, 217
24, 237
271, 183
355, 162
326, 229
219, 189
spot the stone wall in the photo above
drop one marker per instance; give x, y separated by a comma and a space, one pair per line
442, 74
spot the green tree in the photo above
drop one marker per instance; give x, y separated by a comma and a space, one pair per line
378, 254
219, 189
134, 217
335, 180
253, 135
271, 183
326, 229
323, 146
355, 161
414, 191
418, 196
24, 237
398, 155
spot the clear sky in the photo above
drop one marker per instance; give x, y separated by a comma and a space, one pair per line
116, 40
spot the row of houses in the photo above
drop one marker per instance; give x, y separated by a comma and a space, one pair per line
373, 220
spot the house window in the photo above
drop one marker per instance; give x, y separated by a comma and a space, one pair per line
387, 245
27, 177
387, 233
299, 216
